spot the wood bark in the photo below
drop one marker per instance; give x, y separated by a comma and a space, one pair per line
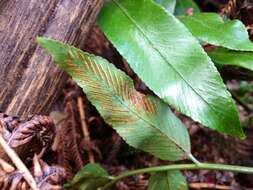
29, 80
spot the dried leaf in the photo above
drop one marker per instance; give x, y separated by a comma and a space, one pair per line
9, 122
26, 136
10, 178
46, 177
41, 127
68, 146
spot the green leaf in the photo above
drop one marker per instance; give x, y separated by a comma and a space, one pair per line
171, 180
170, 61
182, 6
211, 28
91, 177
222, 56
144, 122
169, 5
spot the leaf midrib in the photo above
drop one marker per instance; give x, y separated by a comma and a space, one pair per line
152, 45
153, 126
150, 123
133, 111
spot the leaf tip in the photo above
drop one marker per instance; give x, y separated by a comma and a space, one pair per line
45, 42
41, 40
55, 48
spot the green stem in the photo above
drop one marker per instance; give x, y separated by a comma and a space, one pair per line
193, 159
199, 166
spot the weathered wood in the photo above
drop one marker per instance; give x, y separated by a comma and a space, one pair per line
29, 81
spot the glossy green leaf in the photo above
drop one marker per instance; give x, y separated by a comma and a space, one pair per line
144, 122
91, 177
170, 61
222, 56
171, 180
211, 28
183, 6
169, 5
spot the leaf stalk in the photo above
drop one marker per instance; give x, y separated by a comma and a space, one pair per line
193, 159
199, 166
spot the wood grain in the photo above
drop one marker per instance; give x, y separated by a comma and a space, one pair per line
29, 81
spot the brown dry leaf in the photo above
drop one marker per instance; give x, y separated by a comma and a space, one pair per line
10, 178
47, 177
9, 122
69, 138
26, 137
41, 127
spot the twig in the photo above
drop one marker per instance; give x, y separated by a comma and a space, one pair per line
85, 128
18, 163
208, 185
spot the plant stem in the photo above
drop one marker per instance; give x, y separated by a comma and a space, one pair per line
193, 159
85, 129
199, 166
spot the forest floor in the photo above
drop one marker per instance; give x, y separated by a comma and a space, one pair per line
82, 136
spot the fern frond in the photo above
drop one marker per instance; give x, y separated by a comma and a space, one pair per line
143, 121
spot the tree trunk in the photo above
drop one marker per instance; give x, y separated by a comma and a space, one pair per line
29, 81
